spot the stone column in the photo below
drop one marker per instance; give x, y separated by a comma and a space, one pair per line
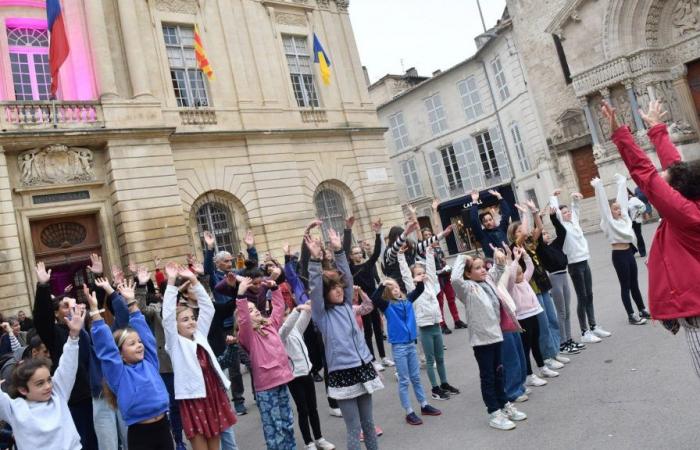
605, 93
138, 73
101, 54
685, 97
634, 105
583, 101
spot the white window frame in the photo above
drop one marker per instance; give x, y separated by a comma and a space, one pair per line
471, 100
487, 155
451, 166
436, 114
523, 160
192, 91
500, 76
217, 218
32, 55
330, 208
301, 71
399, 132
414, 189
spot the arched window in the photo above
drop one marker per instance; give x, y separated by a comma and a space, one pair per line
29, 59
217, 218
330, 209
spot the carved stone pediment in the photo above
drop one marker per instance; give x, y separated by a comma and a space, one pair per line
572, 123
284, 18
56, 164
179, 6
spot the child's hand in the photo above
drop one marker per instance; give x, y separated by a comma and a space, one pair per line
334, 238
143, 275
77, 319
231, 279
419, 278
275, 273
305, 307
101, 283
244, 284
117, 274
518, 253
231, 340
7, 328
92, 300
126, 289
42, 275
171, 271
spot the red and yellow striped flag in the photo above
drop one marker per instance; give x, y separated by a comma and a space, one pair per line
201, 55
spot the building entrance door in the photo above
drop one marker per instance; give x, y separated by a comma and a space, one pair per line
694, 84
585, 169
64, 244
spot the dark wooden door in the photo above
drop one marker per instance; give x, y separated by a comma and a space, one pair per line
585, 169
694, 84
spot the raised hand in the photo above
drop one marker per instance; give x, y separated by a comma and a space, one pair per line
209, 239
132, 267
335, 241
7, 328
349, 222
67, 289
557, 192
411, 211
655, 115
249, 239
157, 261
304, 307
619, 178
198, 267
475, 196
507, 250
103, 283
498, 256
126, 289
117, 274
95, 264
313, 224
435, 204
286, 249
41, 274
577, 196
171, 270
520, 208
77, 318
275, 273
609, 113
411, 227
531, 204
377, 226
496, 194
547, 210
595, 181
186, 273
143, 275
518, 253
243, 286
448, 229
314, 246
419, 278
231, 279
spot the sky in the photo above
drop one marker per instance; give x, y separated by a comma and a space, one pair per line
394, 35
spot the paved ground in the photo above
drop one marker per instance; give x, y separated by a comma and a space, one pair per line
635, 390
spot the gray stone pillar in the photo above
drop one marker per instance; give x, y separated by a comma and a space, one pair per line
138, 73
583, 101
629, 86
101, 54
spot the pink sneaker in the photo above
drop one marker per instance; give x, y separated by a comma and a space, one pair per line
378, 431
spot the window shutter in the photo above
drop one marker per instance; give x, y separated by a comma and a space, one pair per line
500, 151
438, 178
468, 162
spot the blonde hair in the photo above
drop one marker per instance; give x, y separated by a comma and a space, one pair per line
386, 293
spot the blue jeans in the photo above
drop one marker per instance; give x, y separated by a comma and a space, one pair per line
489, 359
549, 326
408, 368
514, 366
174, 414
228, 440
277, 418
110, 428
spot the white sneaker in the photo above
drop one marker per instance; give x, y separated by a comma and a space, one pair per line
601, 333
500, 421
528, 391
388, 363
311, 446
590, 338
534, 380
548, 373
335, 412
562, 359
553, 364
512, 413
377, 367
322, 444
522, 398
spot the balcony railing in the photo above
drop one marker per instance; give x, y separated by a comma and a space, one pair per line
313, 116
197, 116
51, 114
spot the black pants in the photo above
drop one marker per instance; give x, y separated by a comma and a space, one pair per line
488, 357
372, 323
81, 412
314, 343
581, 278
151, 436
641, 246
531, 341
234, 375
304, 394
626, 268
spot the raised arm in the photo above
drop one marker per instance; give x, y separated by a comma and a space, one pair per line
406, 275
558, 242
169, 307
366, 306
658, 135
43, 308
474, 216
601, 198
245, 324
431, 280
341, 263
413, 295
289, 324
347, 234
377, 299
107, 352
529, 266
539, 226
377, 252
505, 212
277, 316
64, 377
298, 289
622, 197
318, 304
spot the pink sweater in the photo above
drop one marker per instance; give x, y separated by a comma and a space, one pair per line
526, 303
268, 357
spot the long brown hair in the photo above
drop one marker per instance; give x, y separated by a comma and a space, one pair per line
23, 372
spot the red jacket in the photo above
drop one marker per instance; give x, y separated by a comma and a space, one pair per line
674, 259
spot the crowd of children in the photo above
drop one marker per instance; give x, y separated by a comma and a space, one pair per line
139, 362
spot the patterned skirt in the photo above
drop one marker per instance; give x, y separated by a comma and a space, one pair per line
351, 383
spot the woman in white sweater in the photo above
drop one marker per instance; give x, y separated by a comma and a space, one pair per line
616, 224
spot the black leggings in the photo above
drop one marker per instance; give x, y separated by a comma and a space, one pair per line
641, 246
372, 323
304, 394
626, 268
151, 436
531, 341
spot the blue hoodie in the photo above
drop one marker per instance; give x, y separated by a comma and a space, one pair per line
400, 318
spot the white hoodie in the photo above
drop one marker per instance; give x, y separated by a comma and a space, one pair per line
575, 244
426, 306
617, 231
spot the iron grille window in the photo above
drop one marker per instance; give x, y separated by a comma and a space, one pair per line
449, 160
330, 209
297, 52
29, 62
188, 81
217, 218
487, 155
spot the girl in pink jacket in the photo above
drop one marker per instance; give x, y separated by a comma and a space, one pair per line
269, 364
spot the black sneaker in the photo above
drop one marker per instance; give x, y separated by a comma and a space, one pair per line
577, 345
439, 394
634, 320
644, 314
449, 389
460, 325
428, 410
413, 419
446, 330
569, 349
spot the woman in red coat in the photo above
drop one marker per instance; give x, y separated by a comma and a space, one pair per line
674, 259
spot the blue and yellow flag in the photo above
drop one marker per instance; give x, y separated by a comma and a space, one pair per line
324, 63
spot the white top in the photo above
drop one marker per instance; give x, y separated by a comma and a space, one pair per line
616, 231
636, 209
292, 334
189, 380
575, 243
426, 306
44, 425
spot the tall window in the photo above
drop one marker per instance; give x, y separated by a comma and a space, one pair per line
470, 98
398, 131
188, 80
29, 60
330, 209
487, 155
436, 114
410, 176
449, 160
300, 69
519, 148
500, 79
217, 218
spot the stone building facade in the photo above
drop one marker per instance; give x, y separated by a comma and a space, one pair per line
577, 53
471, 127
142, 153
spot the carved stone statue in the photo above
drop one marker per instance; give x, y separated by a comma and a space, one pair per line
686, 16
56, 164
624, 109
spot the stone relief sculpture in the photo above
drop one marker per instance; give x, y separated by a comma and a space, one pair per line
56, 164
677, 124
624, 109
686, 16
179, 6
